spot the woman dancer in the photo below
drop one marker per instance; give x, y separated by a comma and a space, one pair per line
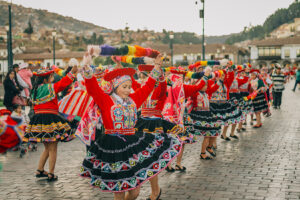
46, 125
123, 158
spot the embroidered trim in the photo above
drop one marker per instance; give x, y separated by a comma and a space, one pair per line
47, 95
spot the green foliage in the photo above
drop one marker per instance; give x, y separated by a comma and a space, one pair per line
281, 16
29, 29
94, 39
181, 38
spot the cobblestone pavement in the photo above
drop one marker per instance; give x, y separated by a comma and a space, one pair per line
263, 164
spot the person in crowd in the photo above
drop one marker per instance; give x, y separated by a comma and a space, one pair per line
278, 79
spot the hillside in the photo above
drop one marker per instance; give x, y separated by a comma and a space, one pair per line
281, 16
43, 19
76, 34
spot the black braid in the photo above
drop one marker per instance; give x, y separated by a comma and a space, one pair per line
37, 82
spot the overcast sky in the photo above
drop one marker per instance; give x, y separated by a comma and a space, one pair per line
222, 16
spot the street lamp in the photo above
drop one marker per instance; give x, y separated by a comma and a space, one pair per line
203, 39
53, 37
9, 38
171, 47
7, 44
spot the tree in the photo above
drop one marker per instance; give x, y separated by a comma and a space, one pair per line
100, 40
29, 29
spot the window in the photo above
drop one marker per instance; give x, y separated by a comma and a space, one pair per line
298, 53
48, 64
226, 56
0, 68
185, 57
278, 52
272, 51
57, 64
286, 53
269, 51
198, 57
212, 57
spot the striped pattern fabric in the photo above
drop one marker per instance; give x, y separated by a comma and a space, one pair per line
75, 103
278, 82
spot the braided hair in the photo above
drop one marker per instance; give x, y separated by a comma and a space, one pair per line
39, 80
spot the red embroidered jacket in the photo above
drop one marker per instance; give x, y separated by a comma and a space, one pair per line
155, 103
119, 118
211, 88
51, 103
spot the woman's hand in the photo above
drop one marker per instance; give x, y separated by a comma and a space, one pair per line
119, 65
74, 70
158, 63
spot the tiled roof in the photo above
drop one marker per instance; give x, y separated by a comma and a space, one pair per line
58, 55
276, 41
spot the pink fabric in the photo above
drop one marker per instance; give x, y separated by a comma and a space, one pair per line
26, 75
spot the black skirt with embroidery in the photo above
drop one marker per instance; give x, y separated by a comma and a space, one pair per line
46, 127
118, 163
260, 103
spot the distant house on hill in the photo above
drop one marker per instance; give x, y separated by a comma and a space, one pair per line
287, 30
285, 51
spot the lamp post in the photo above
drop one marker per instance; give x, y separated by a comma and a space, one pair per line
7, 45
203, 39
171, 47
9, 39
53, 37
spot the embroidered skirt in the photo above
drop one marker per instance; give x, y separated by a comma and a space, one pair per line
48, 128
227, 111
203, 123
260, 103
246, 106
118, 163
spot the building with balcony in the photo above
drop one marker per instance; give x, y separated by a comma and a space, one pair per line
285, 51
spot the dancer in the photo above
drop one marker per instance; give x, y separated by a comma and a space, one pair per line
123, 158
201, 120
259, 101
46, 126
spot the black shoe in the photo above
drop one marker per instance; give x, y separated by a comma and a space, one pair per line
227, 138
170, 170
275, 107
245, 123
243, 129
158, 197
239, 130
178, 168
41, 174
234, 136
52, 177
211, 153
206, 158
278, 107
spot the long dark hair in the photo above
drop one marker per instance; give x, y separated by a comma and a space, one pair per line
8, 73
37, 82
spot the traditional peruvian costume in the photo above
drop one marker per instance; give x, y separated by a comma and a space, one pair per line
123, 158
201, 121
46, 125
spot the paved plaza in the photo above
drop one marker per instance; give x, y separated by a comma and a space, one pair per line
263, 164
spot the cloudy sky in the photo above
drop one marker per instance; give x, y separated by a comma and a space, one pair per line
222, 16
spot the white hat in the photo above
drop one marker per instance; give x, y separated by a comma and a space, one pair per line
23, 65
73, 62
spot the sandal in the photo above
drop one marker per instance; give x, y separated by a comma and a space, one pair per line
178, 168
234, 136
227, 138
257, 125
52, 177
158, 197
41, 174
211, 153
170, 169
205, 158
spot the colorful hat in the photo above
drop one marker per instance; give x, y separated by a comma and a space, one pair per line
255, 71
44, 71
145, 68
239, 68
119, 76
277, 66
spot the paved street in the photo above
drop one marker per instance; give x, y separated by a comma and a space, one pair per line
263, 164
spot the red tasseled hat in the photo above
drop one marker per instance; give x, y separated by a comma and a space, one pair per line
255, 71
44, 71
119, 72
145, 68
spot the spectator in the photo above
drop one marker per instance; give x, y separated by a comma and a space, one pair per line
278, 79
10, 89
297, 81
26, 75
